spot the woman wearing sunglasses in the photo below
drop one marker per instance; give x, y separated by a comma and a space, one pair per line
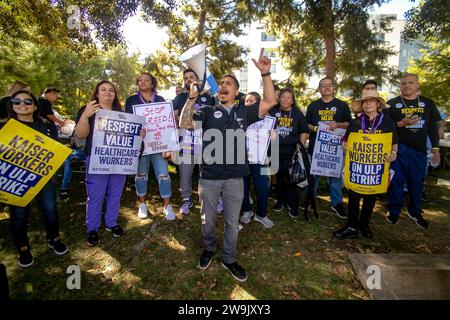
23, 107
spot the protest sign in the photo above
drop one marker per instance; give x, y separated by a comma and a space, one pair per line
116, 143
28, 159
327, 158
366, 163
161, 132
258, 139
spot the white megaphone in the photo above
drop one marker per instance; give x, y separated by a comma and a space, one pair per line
195, 59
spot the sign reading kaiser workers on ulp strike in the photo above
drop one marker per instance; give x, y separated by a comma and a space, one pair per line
161, 132
366, 162
116, 143
28, 159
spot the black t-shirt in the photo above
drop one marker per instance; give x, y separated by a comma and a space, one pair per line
45, 107
180, 100
217, 117
415, 136
386, 126
320, 111
4, 107
290, 125
134, 100
38, 125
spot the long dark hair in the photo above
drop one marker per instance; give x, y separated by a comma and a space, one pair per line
294, 103
116, 103
12, 114
152, 80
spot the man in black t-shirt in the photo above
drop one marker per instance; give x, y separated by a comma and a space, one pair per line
415, 117
336, 113
46, 102
188, 140
224, 160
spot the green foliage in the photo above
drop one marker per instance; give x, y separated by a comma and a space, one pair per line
305, 28
211, 22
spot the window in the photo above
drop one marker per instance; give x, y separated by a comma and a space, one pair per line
380, 37
270, 52
273, 68
267, 37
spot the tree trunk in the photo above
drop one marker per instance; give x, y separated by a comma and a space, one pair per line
201, 23
329, 38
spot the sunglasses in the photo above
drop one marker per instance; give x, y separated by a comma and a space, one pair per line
27, 101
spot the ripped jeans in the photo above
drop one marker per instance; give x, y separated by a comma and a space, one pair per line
160, 167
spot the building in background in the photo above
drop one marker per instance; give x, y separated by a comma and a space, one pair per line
259, 38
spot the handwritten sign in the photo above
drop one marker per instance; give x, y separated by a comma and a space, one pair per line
161, 131
258, 139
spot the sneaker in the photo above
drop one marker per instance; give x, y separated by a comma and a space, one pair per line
391, 219
278, 207
366, 232
247, 216
219, 206
92, 238
419, 220
25, 258
186, 205
236, 271
240, 227
340, 211
205, 259
266, 222
117, 231
170, 215
64, 194
57, 246
302, 207
143, 211
346, 232
292, 213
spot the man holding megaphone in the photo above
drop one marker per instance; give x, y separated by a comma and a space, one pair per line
221, 175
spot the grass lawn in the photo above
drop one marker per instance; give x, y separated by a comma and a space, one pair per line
157, 259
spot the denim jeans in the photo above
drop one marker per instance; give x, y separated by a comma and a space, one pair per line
76, 154
46, 200
261, 184
335, 189
161, 169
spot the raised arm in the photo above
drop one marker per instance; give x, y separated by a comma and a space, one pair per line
186, 117
82, 127
268, 100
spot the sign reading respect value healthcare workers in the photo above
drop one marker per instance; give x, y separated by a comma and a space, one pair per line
366, 163
328, 156
28, 159
116, 143
161, 131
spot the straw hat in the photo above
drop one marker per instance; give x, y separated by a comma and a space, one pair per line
367, 94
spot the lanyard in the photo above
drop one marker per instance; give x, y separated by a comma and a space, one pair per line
363, 123
142, 101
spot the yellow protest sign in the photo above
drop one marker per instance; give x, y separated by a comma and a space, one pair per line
366, 162
28, 159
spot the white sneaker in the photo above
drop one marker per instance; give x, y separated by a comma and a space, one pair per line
266, 222
142, 213
247, 216
241, 227
168, 211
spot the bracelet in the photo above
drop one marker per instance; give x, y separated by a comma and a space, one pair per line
435, 148
192, 97
316, 128
265, 74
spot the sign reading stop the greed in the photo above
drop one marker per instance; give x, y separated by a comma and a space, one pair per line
161, 131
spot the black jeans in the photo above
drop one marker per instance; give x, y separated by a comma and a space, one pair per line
355, 220
287, 193
46, 200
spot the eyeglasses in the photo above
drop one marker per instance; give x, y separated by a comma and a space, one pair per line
27, 101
